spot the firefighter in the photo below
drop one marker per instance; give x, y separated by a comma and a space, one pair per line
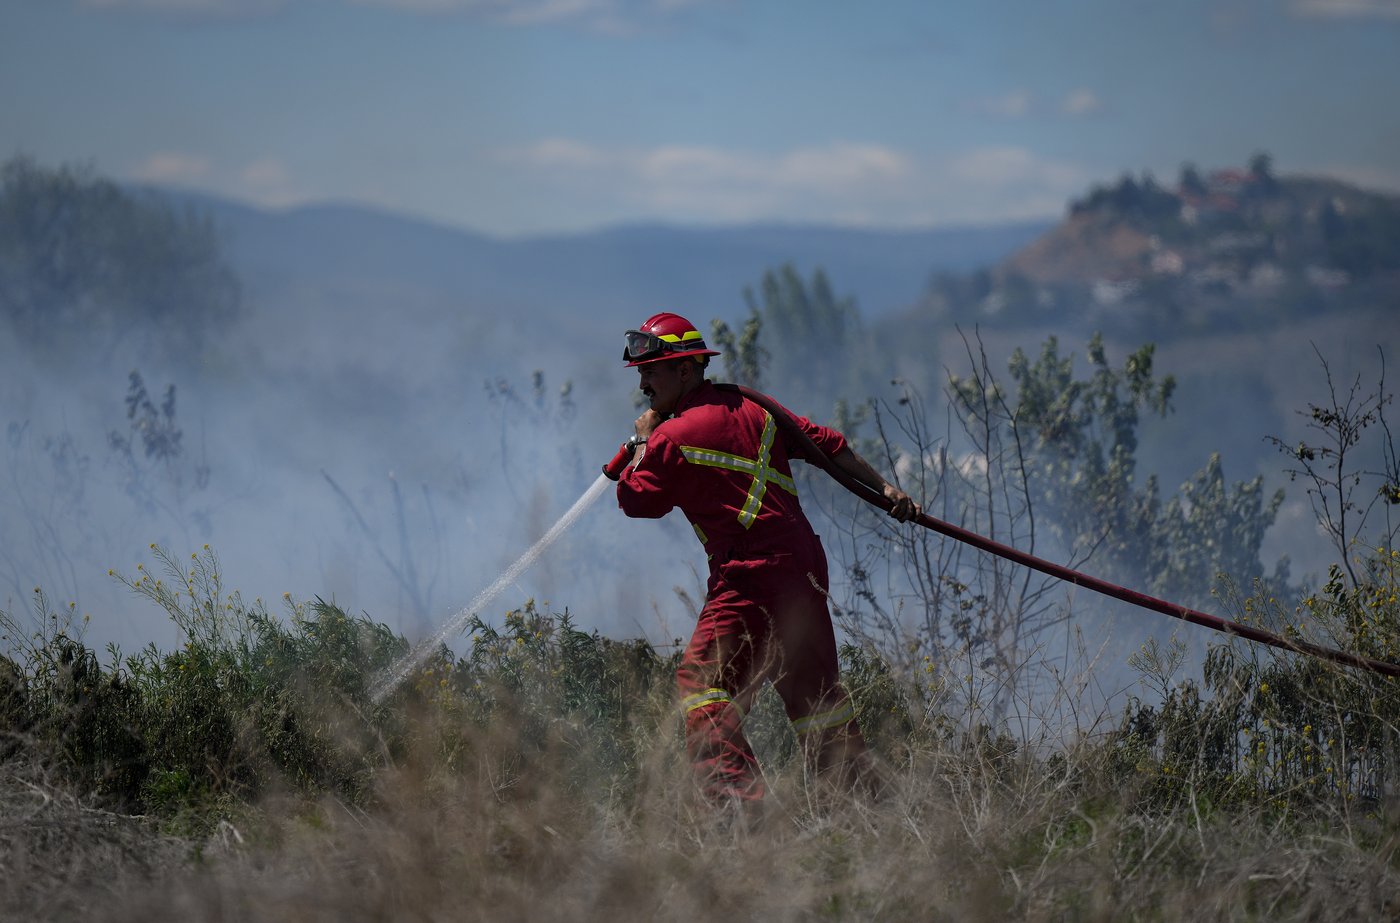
724, 461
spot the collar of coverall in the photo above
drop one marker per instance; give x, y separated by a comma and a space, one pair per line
692, 396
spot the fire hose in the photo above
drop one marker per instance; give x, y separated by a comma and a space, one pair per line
814, 455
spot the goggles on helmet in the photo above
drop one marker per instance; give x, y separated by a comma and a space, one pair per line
676, 338
640, 345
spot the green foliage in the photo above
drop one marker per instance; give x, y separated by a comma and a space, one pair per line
248, 703
1348, 496
555, 686
1269, 727
892, 712
744, 357
252, 703
1081, 459
85, 262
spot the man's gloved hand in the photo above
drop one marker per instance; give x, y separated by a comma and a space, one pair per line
904, 508
648, 421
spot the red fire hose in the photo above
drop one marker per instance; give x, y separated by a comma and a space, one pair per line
1194, 616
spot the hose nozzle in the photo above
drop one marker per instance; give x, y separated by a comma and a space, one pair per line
613, 469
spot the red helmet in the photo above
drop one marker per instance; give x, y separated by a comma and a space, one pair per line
664, 336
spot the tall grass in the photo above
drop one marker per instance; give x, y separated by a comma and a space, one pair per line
540, 774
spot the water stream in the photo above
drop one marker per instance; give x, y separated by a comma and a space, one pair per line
411, 661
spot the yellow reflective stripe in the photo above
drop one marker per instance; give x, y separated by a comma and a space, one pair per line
701, 699
717, 459
825, 720
679, 338
760, 469
759, 487
700, 533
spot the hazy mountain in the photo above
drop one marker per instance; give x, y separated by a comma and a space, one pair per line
619, 275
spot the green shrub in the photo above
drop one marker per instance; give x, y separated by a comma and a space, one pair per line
1270, 726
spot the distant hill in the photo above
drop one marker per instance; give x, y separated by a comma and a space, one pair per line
1246, 282
1228, 251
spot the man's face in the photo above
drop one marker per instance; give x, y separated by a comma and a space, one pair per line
663, 383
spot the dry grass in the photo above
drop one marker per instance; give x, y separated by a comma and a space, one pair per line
542, 777
962, 834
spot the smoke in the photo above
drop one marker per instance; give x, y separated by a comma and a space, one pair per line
393, 443
392, 454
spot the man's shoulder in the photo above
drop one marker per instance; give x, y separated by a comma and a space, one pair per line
712, 414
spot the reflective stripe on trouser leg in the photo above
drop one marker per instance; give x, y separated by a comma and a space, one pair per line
825, 721
713, 676
706, 697
724, 764
833, 745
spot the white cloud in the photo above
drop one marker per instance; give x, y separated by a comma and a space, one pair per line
219, 8
562, 152
1348, 9
1013, 105
1001, 166
843, 164
840, 182
1021, 103
838, 164
267, 181
606, 16
173, 167
542, 12
1008, 183
1082, 101
523, 12
621, 17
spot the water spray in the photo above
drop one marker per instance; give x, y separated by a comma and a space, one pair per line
425, 649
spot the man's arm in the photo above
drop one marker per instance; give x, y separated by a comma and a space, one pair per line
904, 508
643, 491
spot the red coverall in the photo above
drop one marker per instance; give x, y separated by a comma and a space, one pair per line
724, 462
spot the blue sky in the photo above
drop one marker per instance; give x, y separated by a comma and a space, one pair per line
531, 116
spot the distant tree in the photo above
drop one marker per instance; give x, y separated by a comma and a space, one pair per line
803, 324
744, 357
1191, 181
85, 262
1129, 198
1261, 170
